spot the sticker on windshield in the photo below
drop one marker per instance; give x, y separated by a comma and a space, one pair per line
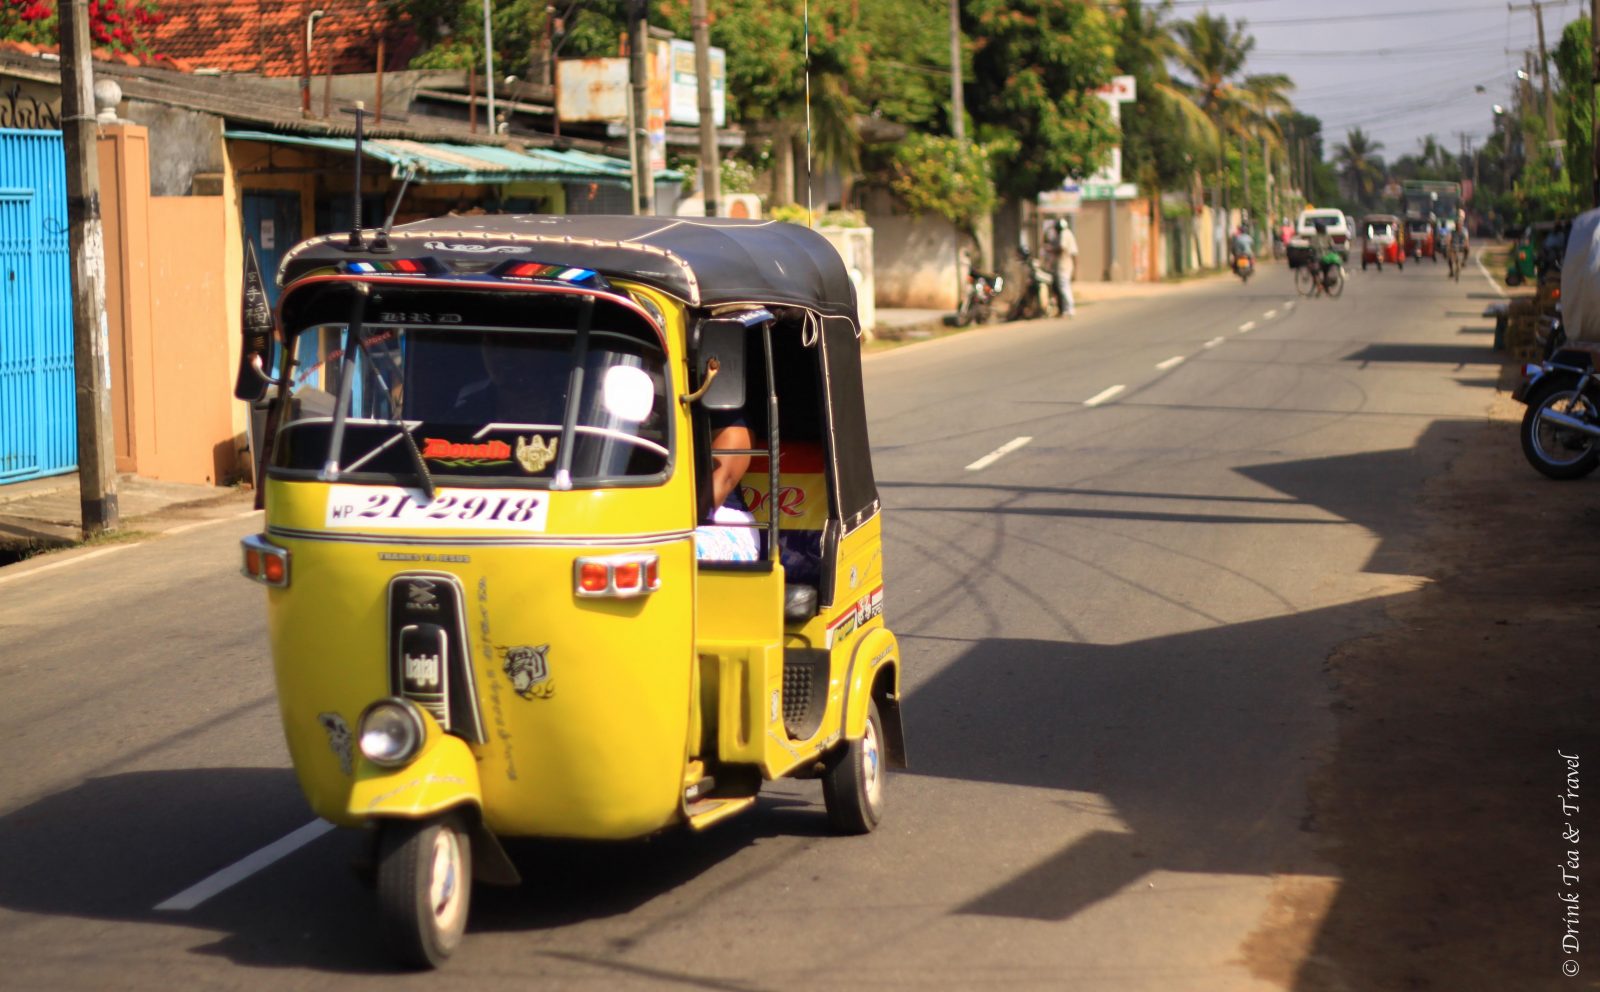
393, 508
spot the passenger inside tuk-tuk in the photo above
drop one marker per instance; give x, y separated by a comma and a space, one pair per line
802, 501
730, 533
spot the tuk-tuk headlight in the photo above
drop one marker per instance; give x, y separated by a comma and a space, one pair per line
391, 732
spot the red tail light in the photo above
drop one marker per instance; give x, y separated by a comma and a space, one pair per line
617, 576
265, 562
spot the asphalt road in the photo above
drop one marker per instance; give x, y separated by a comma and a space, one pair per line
1115, 634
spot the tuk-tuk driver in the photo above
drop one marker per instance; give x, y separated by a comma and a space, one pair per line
735, 539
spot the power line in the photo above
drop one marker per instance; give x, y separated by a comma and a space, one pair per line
1389, 15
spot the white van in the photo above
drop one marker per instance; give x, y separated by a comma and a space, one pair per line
1338, 229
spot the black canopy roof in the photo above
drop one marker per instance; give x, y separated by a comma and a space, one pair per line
703, 261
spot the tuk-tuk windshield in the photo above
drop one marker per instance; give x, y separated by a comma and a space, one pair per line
480, 402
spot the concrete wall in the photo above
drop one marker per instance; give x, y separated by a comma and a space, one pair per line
1092, 228
190, 144
855, 246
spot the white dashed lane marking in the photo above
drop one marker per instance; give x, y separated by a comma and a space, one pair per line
1103, 395
1247, 327
1214, 342
1169, 363
998, 453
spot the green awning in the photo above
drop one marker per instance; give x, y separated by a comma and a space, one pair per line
436, 162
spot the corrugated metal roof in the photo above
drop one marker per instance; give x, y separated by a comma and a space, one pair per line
443, 162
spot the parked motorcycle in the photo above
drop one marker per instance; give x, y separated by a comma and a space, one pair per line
1038, 297
1561, 430
977, 300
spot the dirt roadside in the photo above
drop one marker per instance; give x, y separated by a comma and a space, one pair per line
1441, 807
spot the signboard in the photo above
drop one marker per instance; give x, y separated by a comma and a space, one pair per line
1066, 200
683, 94
1121, 89
592, 89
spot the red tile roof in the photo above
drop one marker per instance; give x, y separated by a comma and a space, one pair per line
268, 36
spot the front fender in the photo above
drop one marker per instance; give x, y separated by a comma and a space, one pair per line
443, 775
874, 652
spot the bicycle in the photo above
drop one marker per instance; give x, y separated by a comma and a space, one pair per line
1306, 282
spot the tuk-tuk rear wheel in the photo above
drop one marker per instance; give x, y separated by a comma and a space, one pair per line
852, 787
424, 887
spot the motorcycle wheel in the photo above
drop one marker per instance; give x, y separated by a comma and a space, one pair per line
1557, 452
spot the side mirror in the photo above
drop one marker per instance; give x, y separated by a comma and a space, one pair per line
255, 327
724, 341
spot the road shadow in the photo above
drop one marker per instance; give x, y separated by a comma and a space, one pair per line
1442, 354
114, 847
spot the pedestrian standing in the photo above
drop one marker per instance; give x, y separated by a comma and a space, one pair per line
1062, 261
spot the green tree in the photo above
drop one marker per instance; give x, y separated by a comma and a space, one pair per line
1576, 100
1164, 130
936, 174
767, 74
1358, 161
1035, 67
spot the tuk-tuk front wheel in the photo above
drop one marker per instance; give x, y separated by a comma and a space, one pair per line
852, 787
424, 887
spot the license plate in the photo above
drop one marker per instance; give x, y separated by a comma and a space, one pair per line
394, 508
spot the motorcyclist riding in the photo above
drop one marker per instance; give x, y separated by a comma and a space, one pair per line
1242, 246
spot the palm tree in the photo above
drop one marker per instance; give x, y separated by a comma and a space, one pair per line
1360, 165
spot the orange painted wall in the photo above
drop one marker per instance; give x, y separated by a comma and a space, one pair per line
167, 312
192, 398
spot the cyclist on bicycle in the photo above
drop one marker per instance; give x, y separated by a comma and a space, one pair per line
1322, 255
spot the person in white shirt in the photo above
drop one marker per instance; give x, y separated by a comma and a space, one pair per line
1062, 260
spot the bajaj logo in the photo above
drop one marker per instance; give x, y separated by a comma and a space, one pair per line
422, 671
419, 595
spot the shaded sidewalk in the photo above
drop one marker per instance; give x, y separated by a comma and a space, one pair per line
44, 514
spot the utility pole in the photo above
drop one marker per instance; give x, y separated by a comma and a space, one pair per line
1537, 6
639, 76
958, 106
488, 65
91, 340
710, 169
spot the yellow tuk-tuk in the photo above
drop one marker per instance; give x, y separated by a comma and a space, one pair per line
487, 469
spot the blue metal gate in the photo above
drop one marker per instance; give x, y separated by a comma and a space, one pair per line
38, 419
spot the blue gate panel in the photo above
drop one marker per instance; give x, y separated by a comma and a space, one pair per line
38, 416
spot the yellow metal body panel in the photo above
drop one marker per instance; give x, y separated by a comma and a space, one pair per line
597, 751
738, 635
443, 775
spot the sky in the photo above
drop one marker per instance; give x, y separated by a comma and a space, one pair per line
1398, 69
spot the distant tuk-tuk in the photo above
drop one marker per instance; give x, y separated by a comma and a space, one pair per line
1420, 239
1382, 240
506, 594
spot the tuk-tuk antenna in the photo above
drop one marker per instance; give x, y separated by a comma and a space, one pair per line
380, 243
355, 243
811, 220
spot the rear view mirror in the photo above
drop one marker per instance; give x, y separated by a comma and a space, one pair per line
723, 340
255, 327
